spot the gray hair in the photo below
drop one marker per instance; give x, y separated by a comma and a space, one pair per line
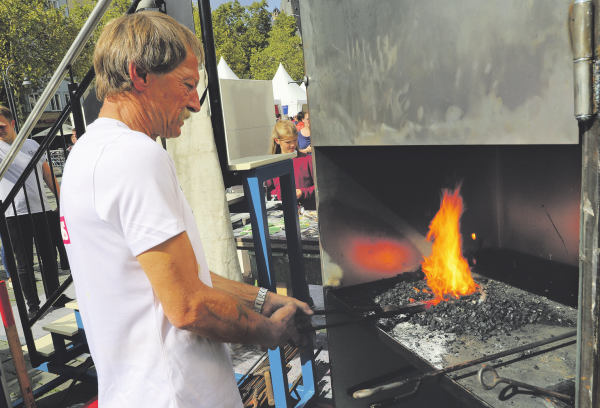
155, 42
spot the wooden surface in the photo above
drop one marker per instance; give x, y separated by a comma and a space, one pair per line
66, 326
44, 345
72, 305
249, 163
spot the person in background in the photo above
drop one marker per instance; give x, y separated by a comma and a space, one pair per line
22, 226
277, 117
284, 139
304, 145
300, 123
5, 264
73, 139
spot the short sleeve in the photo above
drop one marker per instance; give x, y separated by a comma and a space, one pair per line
137, 195
32, 147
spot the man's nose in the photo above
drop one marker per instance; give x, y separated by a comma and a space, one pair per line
194, 103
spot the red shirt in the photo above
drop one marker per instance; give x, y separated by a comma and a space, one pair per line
303, 176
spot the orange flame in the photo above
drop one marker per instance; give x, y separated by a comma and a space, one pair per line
448, 273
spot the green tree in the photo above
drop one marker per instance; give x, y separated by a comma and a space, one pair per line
197, 26
284, 47
35, 37
240, 32
258, 26
229, 31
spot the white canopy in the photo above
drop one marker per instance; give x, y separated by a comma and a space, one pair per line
290, 94
224, 71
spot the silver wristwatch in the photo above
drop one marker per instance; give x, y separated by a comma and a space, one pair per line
260, 300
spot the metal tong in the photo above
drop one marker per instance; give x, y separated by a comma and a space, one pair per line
497, 380
387, 311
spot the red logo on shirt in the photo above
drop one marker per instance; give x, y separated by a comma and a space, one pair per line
64, 231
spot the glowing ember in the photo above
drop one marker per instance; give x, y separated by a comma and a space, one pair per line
448, 273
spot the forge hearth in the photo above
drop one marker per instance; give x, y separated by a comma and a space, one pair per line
497, 308
499, 317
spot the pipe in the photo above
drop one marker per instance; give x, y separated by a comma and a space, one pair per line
582, 59
12, 336
72, 54
10, 96
214, 91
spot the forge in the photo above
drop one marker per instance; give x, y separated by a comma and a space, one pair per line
409, 99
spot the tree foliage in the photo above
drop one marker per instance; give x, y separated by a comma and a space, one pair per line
34, 37
252, 44
284, 47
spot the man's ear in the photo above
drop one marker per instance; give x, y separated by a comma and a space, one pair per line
138, 77
12, 123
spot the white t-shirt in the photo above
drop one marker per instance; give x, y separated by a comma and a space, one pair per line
14, 172
120, 197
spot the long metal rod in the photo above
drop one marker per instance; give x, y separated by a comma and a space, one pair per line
214, 91
11, 97
410, 309
587, 368
371, 391
72, 54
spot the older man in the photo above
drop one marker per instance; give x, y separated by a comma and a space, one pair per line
155, 317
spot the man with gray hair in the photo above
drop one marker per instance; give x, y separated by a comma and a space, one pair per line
156, 318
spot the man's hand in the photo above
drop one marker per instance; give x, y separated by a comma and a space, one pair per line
298, 193
284, 328
274, 303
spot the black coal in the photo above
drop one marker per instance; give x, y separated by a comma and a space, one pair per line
496, 309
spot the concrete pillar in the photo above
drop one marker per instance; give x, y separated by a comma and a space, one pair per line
197, 164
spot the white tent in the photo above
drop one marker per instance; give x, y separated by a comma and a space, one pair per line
224, 71
291, 95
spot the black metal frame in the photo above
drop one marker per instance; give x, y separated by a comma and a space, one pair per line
216, 108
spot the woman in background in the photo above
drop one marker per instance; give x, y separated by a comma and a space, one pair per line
284, 139
304, 143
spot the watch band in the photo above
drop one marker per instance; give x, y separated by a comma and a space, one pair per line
260, 300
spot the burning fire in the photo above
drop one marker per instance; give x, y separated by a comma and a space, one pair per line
448, 273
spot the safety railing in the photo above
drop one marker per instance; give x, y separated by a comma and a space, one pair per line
33, 232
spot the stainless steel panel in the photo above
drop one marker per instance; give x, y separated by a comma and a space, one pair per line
399, 72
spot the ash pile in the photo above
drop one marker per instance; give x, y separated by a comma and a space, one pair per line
495, 309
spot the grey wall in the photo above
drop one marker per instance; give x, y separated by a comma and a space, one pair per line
398, 72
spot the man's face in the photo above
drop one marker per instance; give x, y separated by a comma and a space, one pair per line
74, 138
7, 130
172, 97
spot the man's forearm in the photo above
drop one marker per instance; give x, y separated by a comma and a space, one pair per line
224, 318
244, 293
